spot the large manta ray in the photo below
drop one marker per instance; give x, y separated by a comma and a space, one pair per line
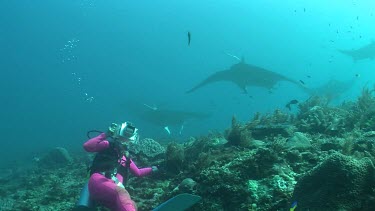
333, 89
168, 117
365, 52
244, 75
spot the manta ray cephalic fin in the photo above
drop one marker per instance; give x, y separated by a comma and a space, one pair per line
167, 129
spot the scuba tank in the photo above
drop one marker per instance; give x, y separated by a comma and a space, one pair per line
84, 201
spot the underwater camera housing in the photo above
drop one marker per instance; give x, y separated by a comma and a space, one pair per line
125, 131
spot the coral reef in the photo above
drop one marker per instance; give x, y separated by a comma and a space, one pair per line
175, 157
298, 141
55, 158
239, 135
261, 127
39, 188
322, 157
325, 120
146, 152
147, 147
339, 183
364, 110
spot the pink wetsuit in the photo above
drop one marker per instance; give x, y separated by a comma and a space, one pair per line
104, 190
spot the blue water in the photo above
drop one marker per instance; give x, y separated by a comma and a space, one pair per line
71, 66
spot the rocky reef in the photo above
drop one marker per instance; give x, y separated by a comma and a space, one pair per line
338, 183
322, 158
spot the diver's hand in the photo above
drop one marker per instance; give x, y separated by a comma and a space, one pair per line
155, 169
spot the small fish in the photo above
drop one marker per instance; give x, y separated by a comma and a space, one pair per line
309, 76
292, 102
304, 9
189, 38
302, 82
357, 75
293, 206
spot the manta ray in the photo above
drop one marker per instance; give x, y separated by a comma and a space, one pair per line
365, 52
166, 118
244, 75
333, 89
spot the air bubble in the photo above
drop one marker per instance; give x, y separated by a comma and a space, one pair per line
68, 50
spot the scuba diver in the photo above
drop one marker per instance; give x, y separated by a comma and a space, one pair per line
110, 168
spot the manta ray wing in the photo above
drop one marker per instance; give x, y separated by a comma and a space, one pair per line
364, 52
218, 76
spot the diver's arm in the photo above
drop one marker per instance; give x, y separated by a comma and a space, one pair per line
96, 144
139, 172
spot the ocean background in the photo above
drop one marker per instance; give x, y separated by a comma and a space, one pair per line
68, 67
